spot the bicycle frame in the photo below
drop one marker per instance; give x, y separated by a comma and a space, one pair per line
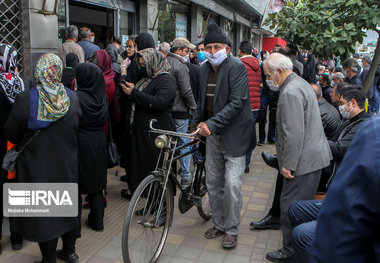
168, 156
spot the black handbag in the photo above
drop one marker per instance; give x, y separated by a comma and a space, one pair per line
10, 158
113, 156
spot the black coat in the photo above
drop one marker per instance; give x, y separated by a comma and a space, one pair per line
342, 138
330, 117
50, 157
5, 109
233, 119
92, 144
195, 76
139, 154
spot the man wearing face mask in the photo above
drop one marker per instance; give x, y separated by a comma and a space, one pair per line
301, 146
352, 109
184, 100
224, 117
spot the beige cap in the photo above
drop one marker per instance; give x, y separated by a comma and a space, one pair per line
182, 42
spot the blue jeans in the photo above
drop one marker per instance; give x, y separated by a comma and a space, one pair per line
264, 103
303, 217
248, 156
373, 107
182, 125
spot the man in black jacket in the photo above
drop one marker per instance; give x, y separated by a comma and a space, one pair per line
329, 114
224, 116
184, 99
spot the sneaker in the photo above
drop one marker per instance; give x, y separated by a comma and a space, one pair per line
185, 182
259, 143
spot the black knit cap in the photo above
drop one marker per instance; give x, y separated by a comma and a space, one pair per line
215, 35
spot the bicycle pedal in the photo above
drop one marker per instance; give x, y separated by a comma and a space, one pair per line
196, 200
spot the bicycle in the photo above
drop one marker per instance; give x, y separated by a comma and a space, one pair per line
150, 212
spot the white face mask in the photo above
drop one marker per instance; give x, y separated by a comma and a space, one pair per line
345, 114
92, 39
217, 58
271, 84
186, 58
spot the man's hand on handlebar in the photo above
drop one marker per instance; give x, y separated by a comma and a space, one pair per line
204, 130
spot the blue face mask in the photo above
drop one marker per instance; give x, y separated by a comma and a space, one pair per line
201, 55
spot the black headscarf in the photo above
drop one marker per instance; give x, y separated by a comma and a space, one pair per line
72, 60
309, 71
92, 94
144, 40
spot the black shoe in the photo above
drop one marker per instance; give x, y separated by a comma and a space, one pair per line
123, 178
246, 170
16, 246
124, 193
271, 142
259, 143
268, 222
281, 255
72, 258
270, 159
95, 229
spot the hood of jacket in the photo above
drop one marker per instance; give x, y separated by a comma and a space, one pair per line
251, 61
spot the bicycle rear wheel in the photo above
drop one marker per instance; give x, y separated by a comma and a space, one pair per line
204, 209
146, 226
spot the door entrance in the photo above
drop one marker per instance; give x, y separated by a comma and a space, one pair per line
99, 19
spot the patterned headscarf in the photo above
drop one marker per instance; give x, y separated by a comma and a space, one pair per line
155, 64
9, 81
54, 101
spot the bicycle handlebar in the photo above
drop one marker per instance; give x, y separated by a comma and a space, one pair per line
172, 133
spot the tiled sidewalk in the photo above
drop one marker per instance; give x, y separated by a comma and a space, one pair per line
185, 242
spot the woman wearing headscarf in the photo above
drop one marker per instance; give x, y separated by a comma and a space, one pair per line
151, 98
92, 144
103, 61
50, 156
68, 74
131, 72
309, 72
11, 84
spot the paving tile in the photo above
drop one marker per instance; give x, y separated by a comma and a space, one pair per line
188, 253
236, 259
100, 260
194, 242
212, 256
18, 258
110, 252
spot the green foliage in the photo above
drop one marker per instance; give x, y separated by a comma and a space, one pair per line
326, 27
166, 30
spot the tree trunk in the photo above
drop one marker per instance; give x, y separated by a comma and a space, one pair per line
373, 67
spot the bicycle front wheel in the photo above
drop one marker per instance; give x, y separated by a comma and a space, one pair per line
147, 221
204, 209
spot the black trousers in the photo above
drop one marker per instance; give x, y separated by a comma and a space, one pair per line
95, 217
276, 208
48, 248
15, 237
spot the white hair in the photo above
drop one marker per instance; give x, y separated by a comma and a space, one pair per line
277, 60
165, 46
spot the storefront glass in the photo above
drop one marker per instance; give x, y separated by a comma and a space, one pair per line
127, 26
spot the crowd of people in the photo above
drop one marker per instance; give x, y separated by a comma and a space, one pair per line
64, 119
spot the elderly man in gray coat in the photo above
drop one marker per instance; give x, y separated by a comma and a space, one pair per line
225, 118
301, 144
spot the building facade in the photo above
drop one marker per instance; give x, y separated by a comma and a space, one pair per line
35, 27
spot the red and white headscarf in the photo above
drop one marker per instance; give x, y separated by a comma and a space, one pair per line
10, 83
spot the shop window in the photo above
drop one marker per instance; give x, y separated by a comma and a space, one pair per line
127, 26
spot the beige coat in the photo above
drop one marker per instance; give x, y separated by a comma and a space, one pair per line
70, 47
